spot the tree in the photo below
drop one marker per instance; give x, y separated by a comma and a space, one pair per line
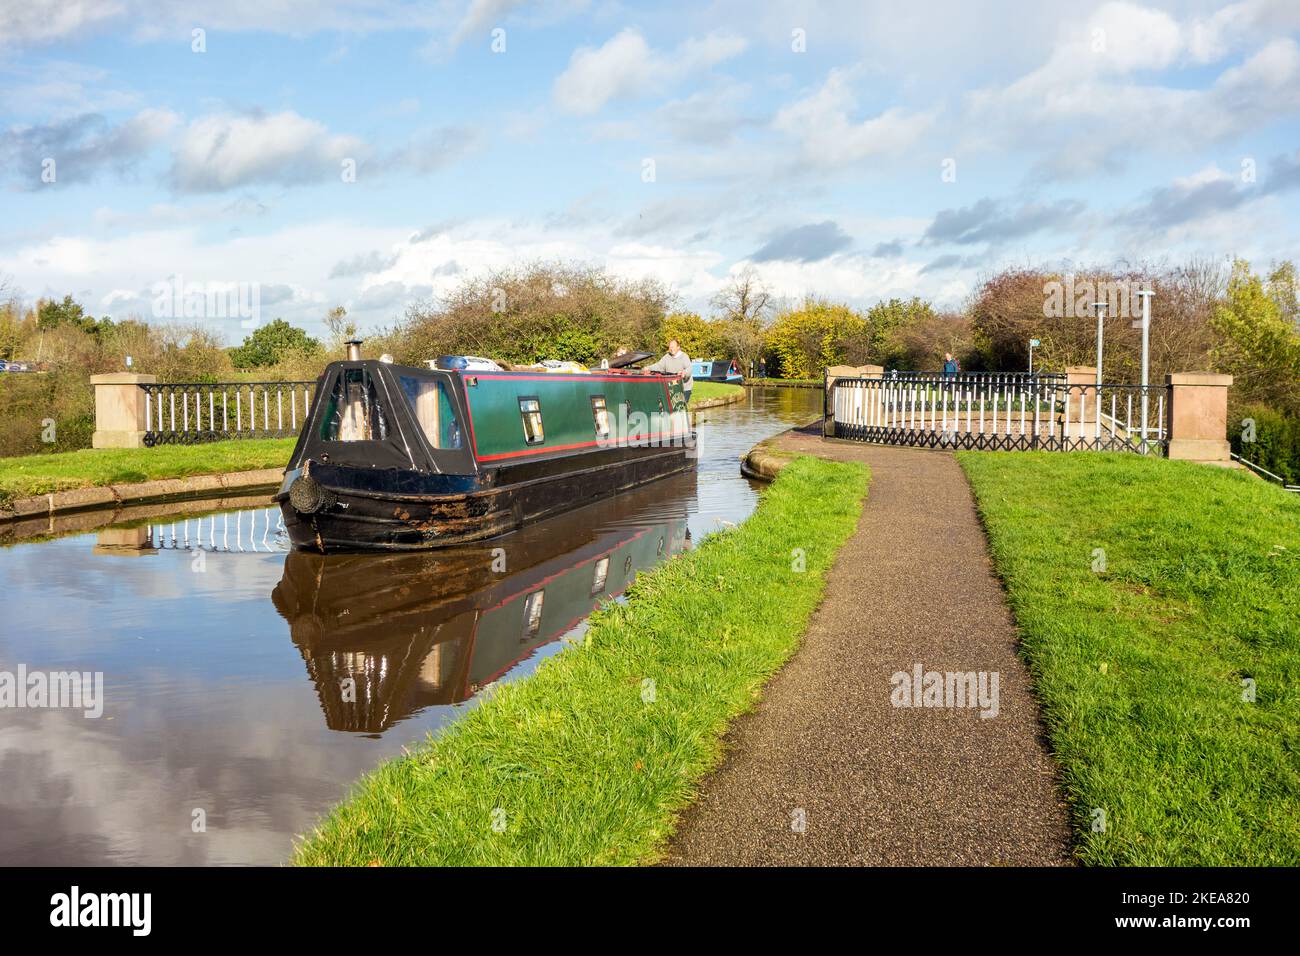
1019, 304
538, 311
1258, 346
698, 338
887, 322
818, 334
340, 328
15, 324
271, 343
51, 314
743, 341
921, 343
1282, 289
744, 299
743, 310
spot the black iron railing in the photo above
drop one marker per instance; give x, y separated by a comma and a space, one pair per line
191, 413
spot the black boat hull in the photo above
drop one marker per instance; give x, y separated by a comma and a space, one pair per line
390, 520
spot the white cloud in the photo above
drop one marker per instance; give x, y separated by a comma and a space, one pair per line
222, 151
24, 22
1087, 109
626, 67
1229, 28
1122, 38
81, 147
829, 138
848, 278
38, 21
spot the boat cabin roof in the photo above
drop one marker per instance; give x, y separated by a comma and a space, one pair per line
380, 415
377, 414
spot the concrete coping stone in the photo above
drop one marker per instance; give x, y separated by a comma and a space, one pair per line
145, 492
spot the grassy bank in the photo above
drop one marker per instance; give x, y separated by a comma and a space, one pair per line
707, 390
29, 475
586, 761
1146, 592
786, 382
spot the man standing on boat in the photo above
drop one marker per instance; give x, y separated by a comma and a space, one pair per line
676, 362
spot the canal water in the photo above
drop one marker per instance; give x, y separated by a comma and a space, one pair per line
246, 686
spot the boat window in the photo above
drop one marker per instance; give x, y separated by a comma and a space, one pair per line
431, 404
354, 412
601, 415
533, 614
600, 576
530, 409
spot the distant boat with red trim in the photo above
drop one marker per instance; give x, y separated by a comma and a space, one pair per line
395, 457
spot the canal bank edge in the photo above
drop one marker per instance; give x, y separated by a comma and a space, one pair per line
784, 383
765, 460
729, 399
159, 491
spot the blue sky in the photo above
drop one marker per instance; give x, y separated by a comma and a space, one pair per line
855, 150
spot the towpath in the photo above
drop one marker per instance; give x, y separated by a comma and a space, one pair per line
826, 771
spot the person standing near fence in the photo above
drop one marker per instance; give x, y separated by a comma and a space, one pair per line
950, 366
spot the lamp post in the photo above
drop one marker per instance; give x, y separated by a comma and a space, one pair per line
1100, 309
1145, 296
1033, 344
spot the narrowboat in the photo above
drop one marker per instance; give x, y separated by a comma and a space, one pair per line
716, 370
396, 457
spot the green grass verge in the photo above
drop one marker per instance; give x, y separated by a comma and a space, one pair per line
574, 761
1140, 666
29, 475
703, 390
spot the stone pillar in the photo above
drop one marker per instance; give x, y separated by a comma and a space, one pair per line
1197, 417
1083, 400
119, 409
837, 372
124, 541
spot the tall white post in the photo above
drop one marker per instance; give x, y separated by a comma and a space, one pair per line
1100, 309
1145, 295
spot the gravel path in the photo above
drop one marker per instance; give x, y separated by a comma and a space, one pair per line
876, 784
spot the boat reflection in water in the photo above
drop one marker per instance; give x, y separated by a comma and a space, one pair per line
385, 635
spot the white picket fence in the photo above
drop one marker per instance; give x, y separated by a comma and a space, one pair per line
257, 530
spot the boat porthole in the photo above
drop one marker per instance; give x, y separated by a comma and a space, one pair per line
627, 565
